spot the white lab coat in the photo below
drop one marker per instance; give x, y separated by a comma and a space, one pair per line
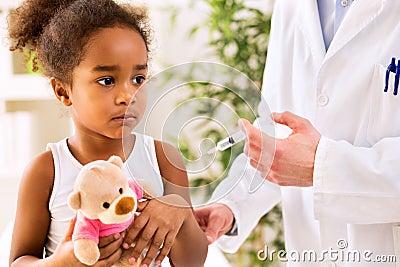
355, 199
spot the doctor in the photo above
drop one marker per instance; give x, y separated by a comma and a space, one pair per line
336, 169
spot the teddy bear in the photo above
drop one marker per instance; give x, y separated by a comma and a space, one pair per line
105, 201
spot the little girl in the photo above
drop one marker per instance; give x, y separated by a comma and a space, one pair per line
95, 53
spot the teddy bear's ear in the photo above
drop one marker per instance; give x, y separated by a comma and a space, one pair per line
96, 168
116, 161
74, 200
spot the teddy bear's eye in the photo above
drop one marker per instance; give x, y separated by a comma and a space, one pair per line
121, 191
106, 205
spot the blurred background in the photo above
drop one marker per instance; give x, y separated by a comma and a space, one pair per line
232, 32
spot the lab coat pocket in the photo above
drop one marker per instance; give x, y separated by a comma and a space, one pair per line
384, 107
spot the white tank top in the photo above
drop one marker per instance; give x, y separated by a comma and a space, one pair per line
141, 164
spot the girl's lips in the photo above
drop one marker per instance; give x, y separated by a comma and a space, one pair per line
125, 118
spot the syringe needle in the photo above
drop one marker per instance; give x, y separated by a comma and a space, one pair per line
212, 151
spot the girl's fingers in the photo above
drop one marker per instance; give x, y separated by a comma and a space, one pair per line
166, 248
154, 246
144, 240
133, 232
111, 260
111, 247
70, 231
105, 241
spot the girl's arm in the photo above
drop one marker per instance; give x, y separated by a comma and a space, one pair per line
169, 221
173, 171
190, 246
32, 216
32, 222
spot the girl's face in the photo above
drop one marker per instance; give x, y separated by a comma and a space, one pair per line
106, 95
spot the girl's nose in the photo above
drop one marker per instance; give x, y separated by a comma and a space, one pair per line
126, 95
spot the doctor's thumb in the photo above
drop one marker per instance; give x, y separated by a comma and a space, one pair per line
214, 227
211, 236
294, 122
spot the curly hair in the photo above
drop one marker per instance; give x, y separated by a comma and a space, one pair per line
56, 32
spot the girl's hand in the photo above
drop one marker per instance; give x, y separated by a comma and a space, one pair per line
157, 225
109, 246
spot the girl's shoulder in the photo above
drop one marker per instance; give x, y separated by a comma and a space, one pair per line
38, 176
42, 163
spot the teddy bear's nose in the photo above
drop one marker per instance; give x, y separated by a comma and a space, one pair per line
124, 205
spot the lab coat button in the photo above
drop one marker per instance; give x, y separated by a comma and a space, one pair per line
323, 100
344, 3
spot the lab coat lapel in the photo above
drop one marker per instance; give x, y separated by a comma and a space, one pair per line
311, 27
360, 14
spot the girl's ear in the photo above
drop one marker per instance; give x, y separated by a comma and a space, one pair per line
61, 91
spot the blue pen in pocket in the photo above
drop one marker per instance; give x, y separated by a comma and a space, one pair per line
396, 78
390, 68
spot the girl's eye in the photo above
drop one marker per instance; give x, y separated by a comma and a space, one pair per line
106, 81
138, 79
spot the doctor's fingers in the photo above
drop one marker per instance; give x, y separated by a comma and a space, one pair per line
253, 134
202, 215
261, 157
218, 225
259, 146
215, 220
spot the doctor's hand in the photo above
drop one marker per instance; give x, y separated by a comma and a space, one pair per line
215, 220
288, 161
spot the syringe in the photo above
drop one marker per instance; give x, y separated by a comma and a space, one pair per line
228, 142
